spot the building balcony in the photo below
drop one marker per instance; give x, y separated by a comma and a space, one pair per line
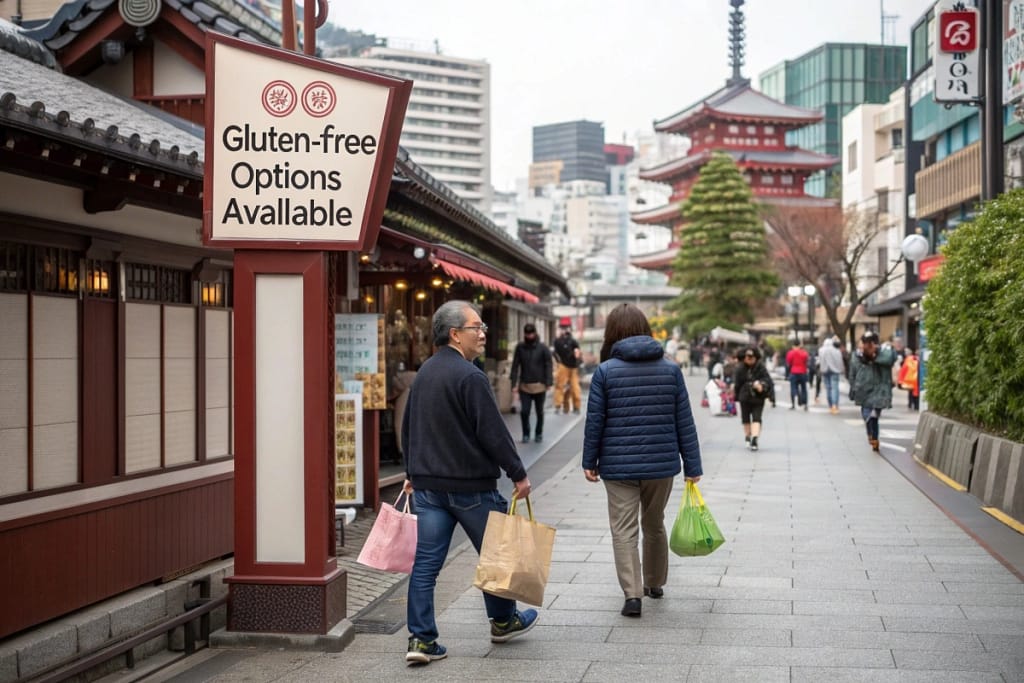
950, 182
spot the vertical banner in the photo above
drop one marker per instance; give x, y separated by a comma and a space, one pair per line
1013, 51
956, 53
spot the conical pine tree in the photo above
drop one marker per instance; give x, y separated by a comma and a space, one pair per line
722, 265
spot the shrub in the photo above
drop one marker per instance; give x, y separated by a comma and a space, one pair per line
974, 320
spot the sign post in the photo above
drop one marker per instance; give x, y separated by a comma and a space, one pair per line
299, 157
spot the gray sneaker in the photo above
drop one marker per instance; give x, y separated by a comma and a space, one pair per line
520, 623
424, 653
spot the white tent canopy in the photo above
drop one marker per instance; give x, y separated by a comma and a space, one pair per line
729, 336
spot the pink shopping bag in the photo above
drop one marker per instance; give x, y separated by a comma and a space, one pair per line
391, 545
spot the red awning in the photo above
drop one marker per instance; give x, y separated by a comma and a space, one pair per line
470, 275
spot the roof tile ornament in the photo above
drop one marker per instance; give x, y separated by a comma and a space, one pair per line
736, 46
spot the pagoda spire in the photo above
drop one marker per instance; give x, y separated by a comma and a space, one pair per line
736, 46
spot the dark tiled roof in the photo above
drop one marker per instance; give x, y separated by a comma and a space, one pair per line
738, 100
38, 99
223, 16
12, 40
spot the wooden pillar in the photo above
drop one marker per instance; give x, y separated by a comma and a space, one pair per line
286, 578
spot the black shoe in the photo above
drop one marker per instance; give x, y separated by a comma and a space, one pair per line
747, 439
538, 438
753, 443
656, 593
576, 411
526, 438
632, 607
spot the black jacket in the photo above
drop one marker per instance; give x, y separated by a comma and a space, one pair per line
743, 379
453, 434
531, 363
565, 350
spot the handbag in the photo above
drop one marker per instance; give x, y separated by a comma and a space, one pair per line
515, 556
695, 531
391, 545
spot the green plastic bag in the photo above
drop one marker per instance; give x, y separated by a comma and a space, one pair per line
695, 531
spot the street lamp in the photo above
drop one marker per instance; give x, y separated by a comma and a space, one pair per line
915, 248
794, 300
810, 291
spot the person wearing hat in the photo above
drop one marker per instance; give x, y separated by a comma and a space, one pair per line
531, 379
871, 382
567, 374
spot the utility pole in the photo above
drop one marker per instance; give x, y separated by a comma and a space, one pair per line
992, 100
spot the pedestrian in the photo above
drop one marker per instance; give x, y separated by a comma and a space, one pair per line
871, 382
908, 379
531, 379
753, 385
832, 367
796, 364
639, 435
456, 444
672, 347
695, 357
567, 371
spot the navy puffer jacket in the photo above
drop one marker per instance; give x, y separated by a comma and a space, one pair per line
639, 420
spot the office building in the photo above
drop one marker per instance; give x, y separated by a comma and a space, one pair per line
578, 145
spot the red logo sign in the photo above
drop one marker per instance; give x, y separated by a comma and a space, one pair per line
958, 31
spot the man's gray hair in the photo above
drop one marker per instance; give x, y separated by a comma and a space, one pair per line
450, 314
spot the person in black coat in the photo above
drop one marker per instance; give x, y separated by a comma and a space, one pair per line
531, 378
753, 386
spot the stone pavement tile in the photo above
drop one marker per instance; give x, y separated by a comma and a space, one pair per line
994, 574
752, 607
877, 609
729, 581
612, 672
969, 571
655, 635
1001, 643
954, 642
751, 637
1010, 665
1005, 588
863, 584
1014, 614
802, 674
980, 626
979, 599
709, 673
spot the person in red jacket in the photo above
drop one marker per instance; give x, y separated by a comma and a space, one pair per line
796, 364
908, 380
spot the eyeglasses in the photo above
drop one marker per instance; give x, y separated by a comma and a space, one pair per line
475, 328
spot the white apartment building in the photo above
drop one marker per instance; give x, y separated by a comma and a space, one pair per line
447, 127
873, 184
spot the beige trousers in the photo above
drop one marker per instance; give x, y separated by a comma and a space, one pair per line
567, 387
635, 505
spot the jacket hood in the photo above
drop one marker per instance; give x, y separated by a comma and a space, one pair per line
638, 348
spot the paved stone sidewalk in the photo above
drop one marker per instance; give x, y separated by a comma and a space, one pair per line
836, 568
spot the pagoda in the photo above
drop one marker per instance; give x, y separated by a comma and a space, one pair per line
749, 126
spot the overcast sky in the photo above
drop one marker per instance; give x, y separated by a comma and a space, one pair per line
622, 63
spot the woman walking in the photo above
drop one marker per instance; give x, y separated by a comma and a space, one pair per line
753, 386
639, 435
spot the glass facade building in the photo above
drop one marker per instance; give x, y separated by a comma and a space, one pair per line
834, 78
579, 145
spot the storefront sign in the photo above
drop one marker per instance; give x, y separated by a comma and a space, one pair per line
299, 151
956, 54
1013, 51
359, 355
928, 267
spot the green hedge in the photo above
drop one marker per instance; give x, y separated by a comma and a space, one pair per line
974, 318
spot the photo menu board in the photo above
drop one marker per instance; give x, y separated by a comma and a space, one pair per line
359, 355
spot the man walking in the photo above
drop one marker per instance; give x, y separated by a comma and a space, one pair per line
567, 372
456, 444
830, 364
871, 382
531, 379
796, 362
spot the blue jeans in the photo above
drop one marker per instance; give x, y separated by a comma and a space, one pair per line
870, 417
832, 388
436, 515
798, 388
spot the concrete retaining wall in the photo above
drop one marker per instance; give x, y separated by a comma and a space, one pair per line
992, 469
998, 478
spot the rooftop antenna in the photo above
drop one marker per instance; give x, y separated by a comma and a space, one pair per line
736, 47
888, 23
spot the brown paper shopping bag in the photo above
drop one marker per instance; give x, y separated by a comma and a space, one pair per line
515, 556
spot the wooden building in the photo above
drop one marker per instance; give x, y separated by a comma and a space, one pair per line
116, 415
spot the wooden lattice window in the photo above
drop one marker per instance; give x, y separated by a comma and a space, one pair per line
14, 263
55, 270
158, 284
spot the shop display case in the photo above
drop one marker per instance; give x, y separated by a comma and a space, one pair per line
348, 449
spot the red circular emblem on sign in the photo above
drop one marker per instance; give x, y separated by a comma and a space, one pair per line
279, 98
318, 99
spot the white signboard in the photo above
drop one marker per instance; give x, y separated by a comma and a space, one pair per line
299, 151
1013, 51
957, 49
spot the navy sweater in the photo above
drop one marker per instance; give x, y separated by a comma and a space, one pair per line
454, 436
639, 422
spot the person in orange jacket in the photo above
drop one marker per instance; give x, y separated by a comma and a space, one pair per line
908, 379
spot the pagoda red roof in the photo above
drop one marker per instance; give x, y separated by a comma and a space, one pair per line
738, 103
659, 215
789, 158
